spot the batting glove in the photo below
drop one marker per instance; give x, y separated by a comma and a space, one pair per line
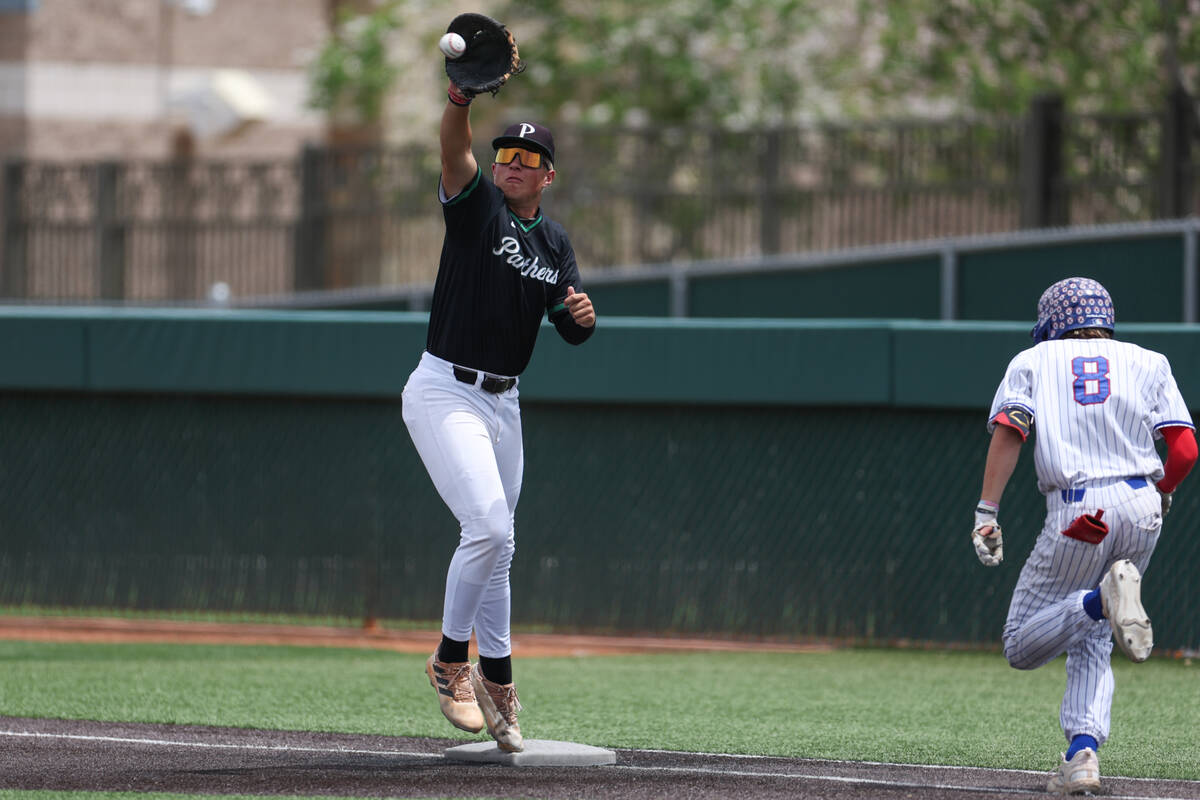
1166, 500
989, 544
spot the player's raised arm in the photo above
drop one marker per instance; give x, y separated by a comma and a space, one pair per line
458, 162
481, 55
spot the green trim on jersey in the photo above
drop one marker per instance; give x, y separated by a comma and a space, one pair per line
470, 187
557, 308
533, 223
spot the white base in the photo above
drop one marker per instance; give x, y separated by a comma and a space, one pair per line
537, 753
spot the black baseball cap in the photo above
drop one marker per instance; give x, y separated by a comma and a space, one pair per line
529, 135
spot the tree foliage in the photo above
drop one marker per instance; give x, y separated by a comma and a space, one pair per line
729, 62
739, 63
353, 74
995, 55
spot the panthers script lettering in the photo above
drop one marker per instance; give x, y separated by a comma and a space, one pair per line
510, 247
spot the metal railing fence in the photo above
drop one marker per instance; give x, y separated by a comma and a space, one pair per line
192, 231
652, 196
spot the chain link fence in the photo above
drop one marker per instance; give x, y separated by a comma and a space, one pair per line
792, 523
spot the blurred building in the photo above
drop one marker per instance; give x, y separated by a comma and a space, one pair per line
155, 78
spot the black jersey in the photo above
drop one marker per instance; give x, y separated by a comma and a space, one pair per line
498, 276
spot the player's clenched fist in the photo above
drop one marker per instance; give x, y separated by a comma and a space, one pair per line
989, 544
580, 306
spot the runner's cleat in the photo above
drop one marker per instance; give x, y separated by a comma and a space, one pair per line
1079, 775
1121, 599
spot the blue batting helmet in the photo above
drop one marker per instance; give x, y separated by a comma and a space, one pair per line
1070, 304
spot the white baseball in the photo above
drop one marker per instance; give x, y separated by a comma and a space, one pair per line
452, 45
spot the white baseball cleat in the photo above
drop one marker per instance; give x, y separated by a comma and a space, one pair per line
500, 705
456, 695
1121, 598
1080, 774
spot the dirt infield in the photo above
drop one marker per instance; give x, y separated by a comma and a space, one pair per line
108, 629
67, 755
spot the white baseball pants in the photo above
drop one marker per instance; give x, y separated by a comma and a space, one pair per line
1046, 616
470, 443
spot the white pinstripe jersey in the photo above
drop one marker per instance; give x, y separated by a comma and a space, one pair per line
1097, 406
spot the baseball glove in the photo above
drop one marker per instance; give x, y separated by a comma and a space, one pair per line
491, 57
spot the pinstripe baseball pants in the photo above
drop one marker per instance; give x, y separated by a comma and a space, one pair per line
1046, 616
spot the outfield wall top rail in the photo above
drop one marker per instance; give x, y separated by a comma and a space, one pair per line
680, 276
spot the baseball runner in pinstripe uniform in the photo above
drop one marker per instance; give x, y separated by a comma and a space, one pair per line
504, 268
1097, 405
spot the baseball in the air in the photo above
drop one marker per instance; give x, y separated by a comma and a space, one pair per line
452, 45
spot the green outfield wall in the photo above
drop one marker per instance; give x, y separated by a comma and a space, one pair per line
1152, 271
795, 479
1144, 275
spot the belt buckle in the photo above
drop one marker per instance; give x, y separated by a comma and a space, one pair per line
496, 384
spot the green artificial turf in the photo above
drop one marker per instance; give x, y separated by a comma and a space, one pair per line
223, 617
922, 707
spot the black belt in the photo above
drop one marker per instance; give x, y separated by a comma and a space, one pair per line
491, 383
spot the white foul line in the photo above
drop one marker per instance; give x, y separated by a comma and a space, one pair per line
217, 745
963, 767
697, 770
871, 781
843, 779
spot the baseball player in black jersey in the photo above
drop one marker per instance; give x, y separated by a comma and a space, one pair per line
503, 267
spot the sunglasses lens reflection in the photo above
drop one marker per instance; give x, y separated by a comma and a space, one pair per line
530, 159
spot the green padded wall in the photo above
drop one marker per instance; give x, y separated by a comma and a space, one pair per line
998, 282
1144, 277
633, 299
896, 289
790, 479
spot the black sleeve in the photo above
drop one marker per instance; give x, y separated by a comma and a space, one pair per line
556, 310
569, 330
467, 212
